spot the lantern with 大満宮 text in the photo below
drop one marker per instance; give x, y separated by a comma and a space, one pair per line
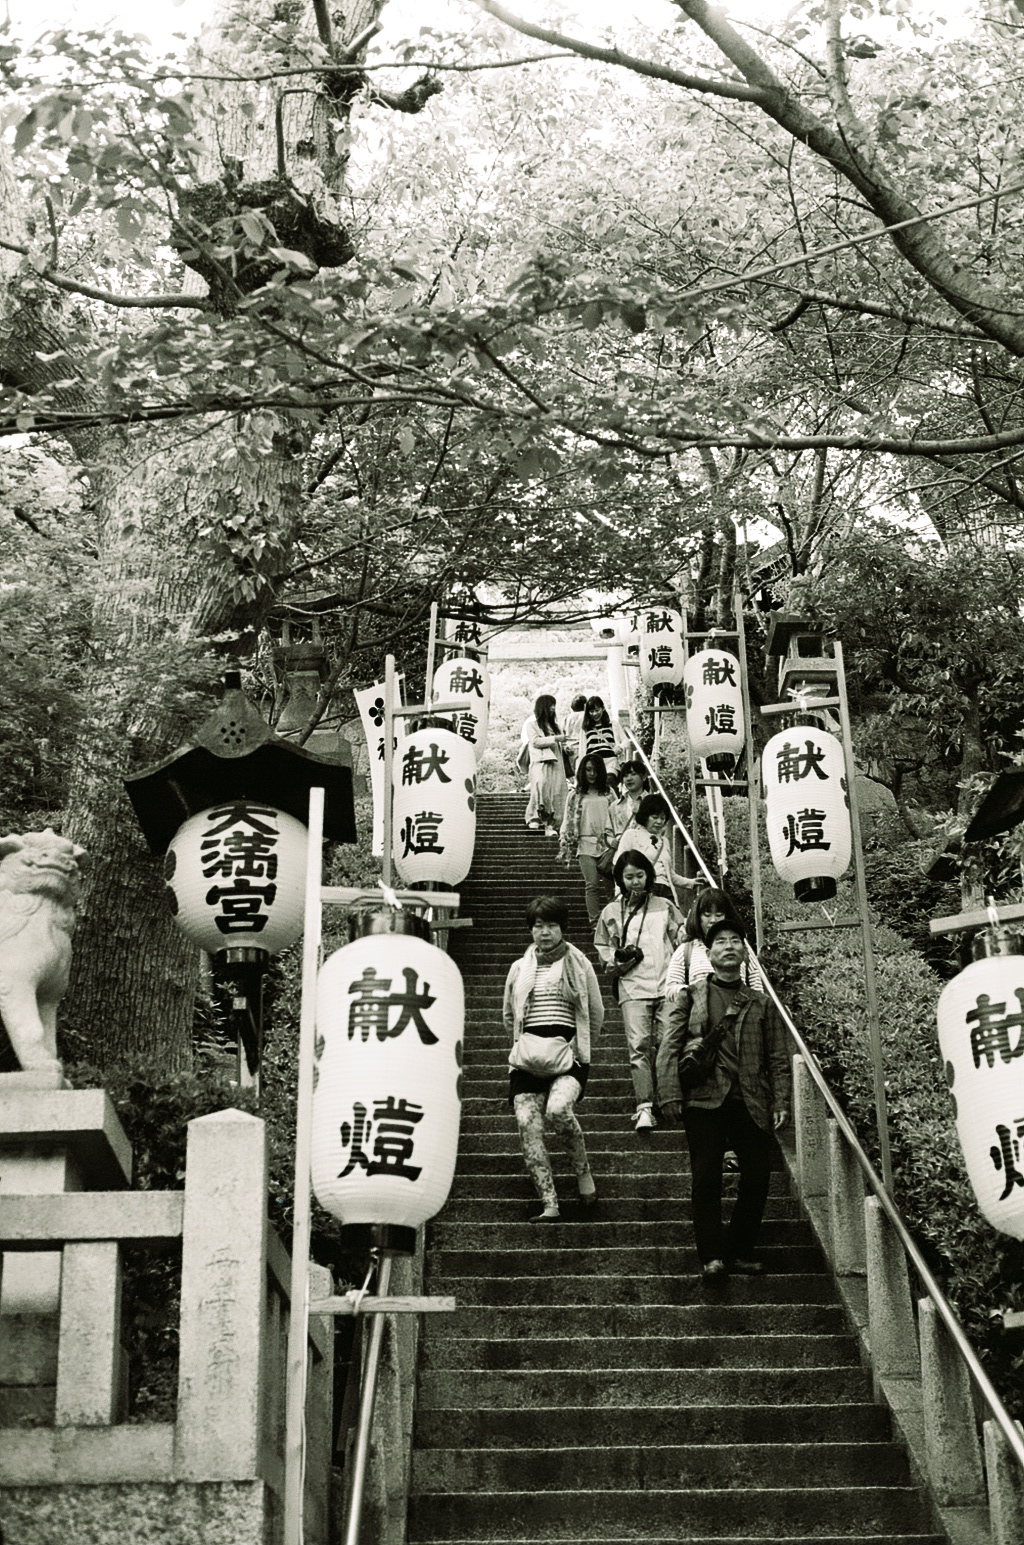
807, 810
388, 1079
467, 683
235, 875
434, 811
981, 1037
661, 647
714, 703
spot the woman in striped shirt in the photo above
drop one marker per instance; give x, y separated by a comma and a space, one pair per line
552, 995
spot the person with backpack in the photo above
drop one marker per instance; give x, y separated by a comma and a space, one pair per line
724, 1069
690, 962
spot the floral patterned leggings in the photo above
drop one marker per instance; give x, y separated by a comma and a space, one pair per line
558, 1109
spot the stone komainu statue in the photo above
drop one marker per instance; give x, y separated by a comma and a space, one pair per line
40, 884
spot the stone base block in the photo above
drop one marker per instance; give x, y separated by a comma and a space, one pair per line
80, 1123
175, 1513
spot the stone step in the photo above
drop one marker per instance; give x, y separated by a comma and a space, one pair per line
612, 1288
618, 1211
672, 1538
601, 1514
576, 1257
634, 1155
599, 1427
698, 1466
617, 1184
603, 1237
501, 1389
642, 1354
660, 1319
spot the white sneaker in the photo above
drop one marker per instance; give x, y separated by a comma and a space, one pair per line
549, 831
644, 1119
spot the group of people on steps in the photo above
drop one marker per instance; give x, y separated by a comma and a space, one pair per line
706, 1045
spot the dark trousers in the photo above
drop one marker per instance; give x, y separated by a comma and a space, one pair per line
710, 1134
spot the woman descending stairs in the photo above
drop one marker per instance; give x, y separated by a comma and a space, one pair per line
587, 1388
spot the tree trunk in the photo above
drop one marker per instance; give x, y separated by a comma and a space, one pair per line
192, 528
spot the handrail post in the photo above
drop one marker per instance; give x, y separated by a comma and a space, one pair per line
846, 1206
950, 1431
1005, 1486
892, 1336
811, 1126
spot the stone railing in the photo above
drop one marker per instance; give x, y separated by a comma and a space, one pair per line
922, 1366
70, 1466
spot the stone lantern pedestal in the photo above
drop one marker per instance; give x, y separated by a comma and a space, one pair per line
51, 1141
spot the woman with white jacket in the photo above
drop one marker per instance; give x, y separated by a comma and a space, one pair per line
552, 1009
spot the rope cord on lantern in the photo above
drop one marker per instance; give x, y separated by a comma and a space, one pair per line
1010, 1432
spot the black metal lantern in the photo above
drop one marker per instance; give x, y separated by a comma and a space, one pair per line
230, 809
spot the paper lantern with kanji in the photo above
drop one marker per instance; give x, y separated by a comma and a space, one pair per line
808, 812
661, 647
714, 703
434, 810
235, 877
468, 683
388, 1078
981, 1036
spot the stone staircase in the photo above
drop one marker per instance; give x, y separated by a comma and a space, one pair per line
588, 1388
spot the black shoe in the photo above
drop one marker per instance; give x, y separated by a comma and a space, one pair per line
747, 1268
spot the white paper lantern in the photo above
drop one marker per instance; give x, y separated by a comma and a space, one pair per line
434, 807
236, 877
388, 1079
808, 811
981, 1036
714, 703
468, 683
661, 647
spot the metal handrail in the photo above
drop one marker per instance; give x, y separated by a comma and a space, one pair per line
944, 1308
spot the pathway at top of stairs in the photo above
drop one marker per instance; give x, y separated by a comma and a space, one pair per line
587, 1387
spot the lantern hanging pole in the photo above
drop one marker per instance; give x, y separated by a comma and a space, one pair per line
298, 1318
428, 679
753, 783
367, 1400
389, 759
867, 947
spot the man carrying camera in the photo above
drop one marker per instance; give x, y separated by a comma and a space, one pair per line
724, 1067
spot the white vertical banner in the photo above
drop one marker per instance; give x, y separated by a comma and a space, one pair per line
619, 696
370, 703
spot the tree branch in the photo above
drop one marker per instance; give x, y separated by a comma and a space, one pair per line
735, 91
147, 302
919, 245
873, 309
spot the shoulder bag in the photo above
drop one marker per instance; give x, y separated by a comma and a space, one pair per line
697, 1063
545, 1056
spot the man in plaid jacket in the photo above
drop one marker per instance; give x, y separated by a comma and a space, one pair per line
744, 1099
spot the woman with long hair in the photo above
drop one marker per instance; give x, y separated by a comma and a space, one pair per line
635, 936
690, 963
546, 804
597, 736
588, 833
552, 1010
